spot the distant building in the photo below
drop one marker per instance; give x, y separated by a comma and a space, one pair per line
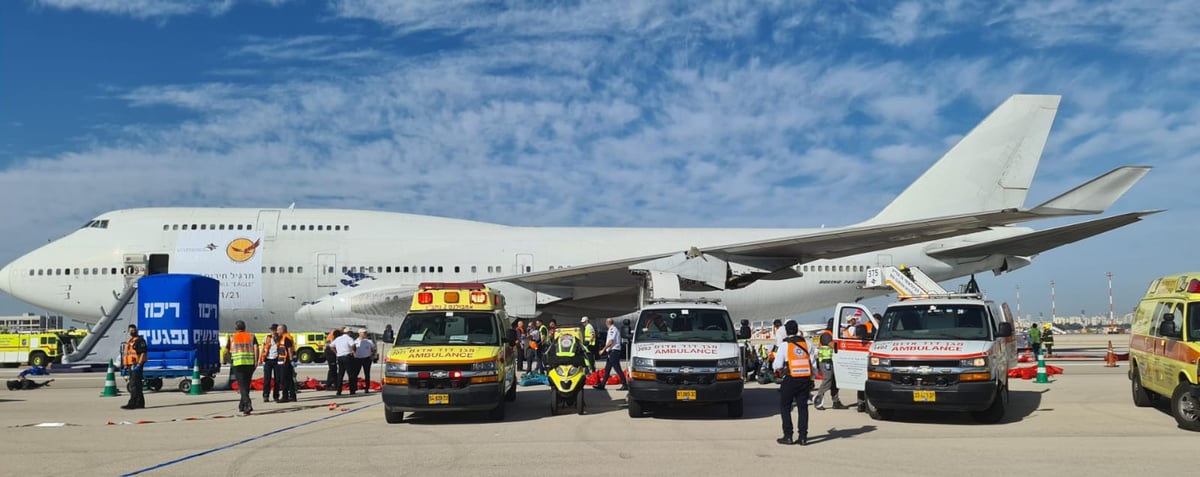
29, 322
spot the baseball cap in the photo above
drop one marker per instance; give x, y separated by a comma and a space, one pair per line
584, 319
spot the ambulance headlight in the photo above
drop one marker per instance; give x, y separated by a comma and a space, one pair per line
643, 363
875, 361
974, 363
727, 363
395, 368
484, 366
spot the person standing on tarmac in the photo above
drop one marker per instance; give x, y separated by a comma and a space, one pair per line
589, 340
343, 346
242, 353
795, 365
270, 364
331, 358
825, 352
613, 348
1035, 340
364, 355
132, 361
1048, 339
285, 364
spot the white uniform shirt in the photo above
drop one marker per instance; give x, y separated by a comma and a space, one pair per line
343, 345
272, 348
364, 348
614, 337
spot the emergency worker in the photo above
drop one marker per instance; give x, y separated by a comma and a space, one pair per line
331, 358
612, 346
242, 353
827, 346
270, 361
1035, 340
285, 364
589, 340
134, 357
795, 365
1048, 339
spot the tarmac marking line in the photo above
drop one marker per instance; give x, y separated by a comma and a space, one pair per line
247, 440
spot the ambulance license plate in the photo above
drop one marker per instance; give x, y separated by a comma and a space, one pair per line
439, 399
685, 395
924, 396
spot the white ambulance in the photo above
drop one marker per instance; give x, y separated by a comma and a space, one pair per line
685, 352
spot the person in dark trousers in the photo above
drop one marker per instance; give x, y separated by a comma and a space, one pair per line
1048, 339
825, 353
270, 364
343, 346
364, 356
795, 365
132, 361
285, 364
613, 349
331, 358
241, 352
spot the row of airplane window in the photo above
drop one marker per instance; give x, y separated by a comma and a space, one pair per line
67, 271
833, 268
320, 228
281, 269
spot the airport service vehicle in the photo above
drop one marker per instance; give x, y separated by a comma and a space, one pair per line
685, 351
567, 380
37, 349
455, 351
1164, 347
949, 352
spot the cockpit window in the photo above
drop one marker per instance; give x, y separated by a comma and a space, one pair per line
96, 224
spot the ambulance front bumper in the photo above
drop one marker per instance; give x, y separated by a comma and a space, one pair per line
476, 397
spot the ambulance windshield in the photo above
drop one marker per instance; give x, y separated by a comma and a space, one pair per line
1193, 321
433, 328
682, 324
960, 322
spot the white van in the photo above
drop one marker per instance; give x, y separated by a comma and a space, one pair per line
685, 352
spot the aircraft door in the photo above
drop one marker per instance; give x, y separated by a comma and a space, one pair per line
327, 270
158, 263
524, 263
268, 222
883, 260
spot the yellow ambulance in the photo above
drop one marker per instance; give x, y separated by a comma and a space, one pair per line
1164, 348
455, 351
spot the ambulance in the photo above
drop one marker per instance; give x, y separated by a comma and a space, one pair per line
943, 353
37, 349
454, 351
685, 352
1164, 347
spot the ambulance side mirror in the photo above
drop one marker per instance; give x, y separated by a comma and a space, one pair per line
510, 337
1005, 330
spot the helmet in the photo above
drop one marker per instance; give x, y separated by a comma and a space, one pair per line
1046, 326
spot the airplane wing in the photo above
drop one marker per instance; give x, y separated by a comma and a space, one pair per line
1034, 243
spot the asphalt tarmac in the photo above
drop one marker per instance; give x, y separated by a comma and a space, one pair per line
1082, 423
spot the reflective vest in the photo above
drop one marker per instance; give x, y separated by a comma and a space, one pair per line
869, 327
825, 352
284, 345
589, 335
265, 353
131, 354
566, 347
797, 359
241, 349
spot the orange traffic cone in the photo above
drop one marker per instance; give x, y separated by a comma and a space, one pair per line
1110, 359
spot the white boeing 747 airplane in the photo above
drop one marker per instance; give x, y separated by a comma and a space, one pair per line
323, 268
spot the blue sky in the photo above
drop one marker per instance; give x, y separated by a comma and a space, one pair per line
774, 114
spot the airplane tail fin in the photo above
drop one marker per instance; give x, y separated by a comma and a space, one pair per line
989, 169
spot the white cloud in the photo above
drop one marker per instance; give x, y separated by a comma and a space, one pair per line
143, 9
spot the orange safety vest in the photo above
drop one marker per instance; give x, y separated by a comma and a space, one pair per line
283, 350
241, 349
797, 358
131, 354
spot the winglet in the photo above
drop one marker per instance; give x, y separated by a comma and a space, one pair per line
1094, 196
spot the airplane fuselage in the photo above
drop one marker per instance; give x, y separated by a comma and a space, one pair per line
303, 255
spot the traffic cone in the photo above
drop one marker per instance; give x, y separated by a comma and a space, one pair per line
110, 383
1110, 359
197, 388
1041, 373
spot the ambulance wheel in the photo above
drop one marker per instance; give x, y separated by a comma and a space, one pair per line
636, 408
879, 414
37, 358
393, 417
995, 412
735, 409
185, 385
305, 355
511, 394
579, 406
1141, 396
1185, 406
206, 383
154, 384
497, 414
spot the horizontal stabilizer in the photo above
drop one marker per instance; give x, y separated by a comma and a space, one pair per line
1096, 195
1034, 243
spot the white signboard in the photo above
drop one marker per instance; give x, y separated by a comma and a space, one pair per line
850, 359
232, 257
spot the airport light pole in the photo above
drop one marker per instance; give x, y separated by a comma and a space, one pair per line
1053, 313
1019, 302
1110, 302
